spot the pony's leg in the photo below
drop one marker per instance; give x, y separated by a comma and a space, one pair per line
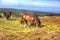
32, 23
7, 18
26, 22
22, 22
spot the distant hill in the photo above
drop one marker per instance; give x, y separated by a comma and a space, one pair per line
18, 11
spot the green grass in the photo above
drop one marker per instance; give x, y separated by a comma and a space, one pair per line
12, 28
16, 26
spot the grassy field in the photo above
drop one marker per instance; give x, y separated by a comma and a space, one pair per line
13, 30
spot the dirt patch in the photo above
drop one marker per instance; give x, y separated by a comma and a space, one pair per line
54, 19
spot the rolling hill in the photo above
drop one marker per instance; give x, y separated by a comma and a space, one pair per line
19, 11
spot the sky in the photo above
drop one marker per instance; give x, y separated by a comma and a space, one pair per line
37, 5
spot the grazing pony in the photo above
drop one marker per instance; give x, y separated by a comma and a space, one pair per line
7, 15
32, 18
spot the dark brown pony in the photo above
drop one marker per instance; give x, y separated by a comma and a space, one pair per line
7, 15
32, 18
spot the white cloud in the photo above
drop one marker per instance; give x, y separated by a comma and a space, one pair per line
30, 3
10, 2
40, 4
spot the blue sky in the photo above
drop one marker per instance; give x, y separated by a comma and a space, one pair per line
38, 5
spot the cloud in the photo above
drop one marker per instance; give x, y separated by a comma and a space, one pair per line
45, 5
10, 2
38, 3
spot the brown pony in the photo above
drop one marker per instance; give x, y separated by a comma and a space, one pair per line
7, 15
32, 18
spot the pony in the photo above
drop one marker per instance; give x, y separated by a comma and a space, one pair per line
7, 15
32, 18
